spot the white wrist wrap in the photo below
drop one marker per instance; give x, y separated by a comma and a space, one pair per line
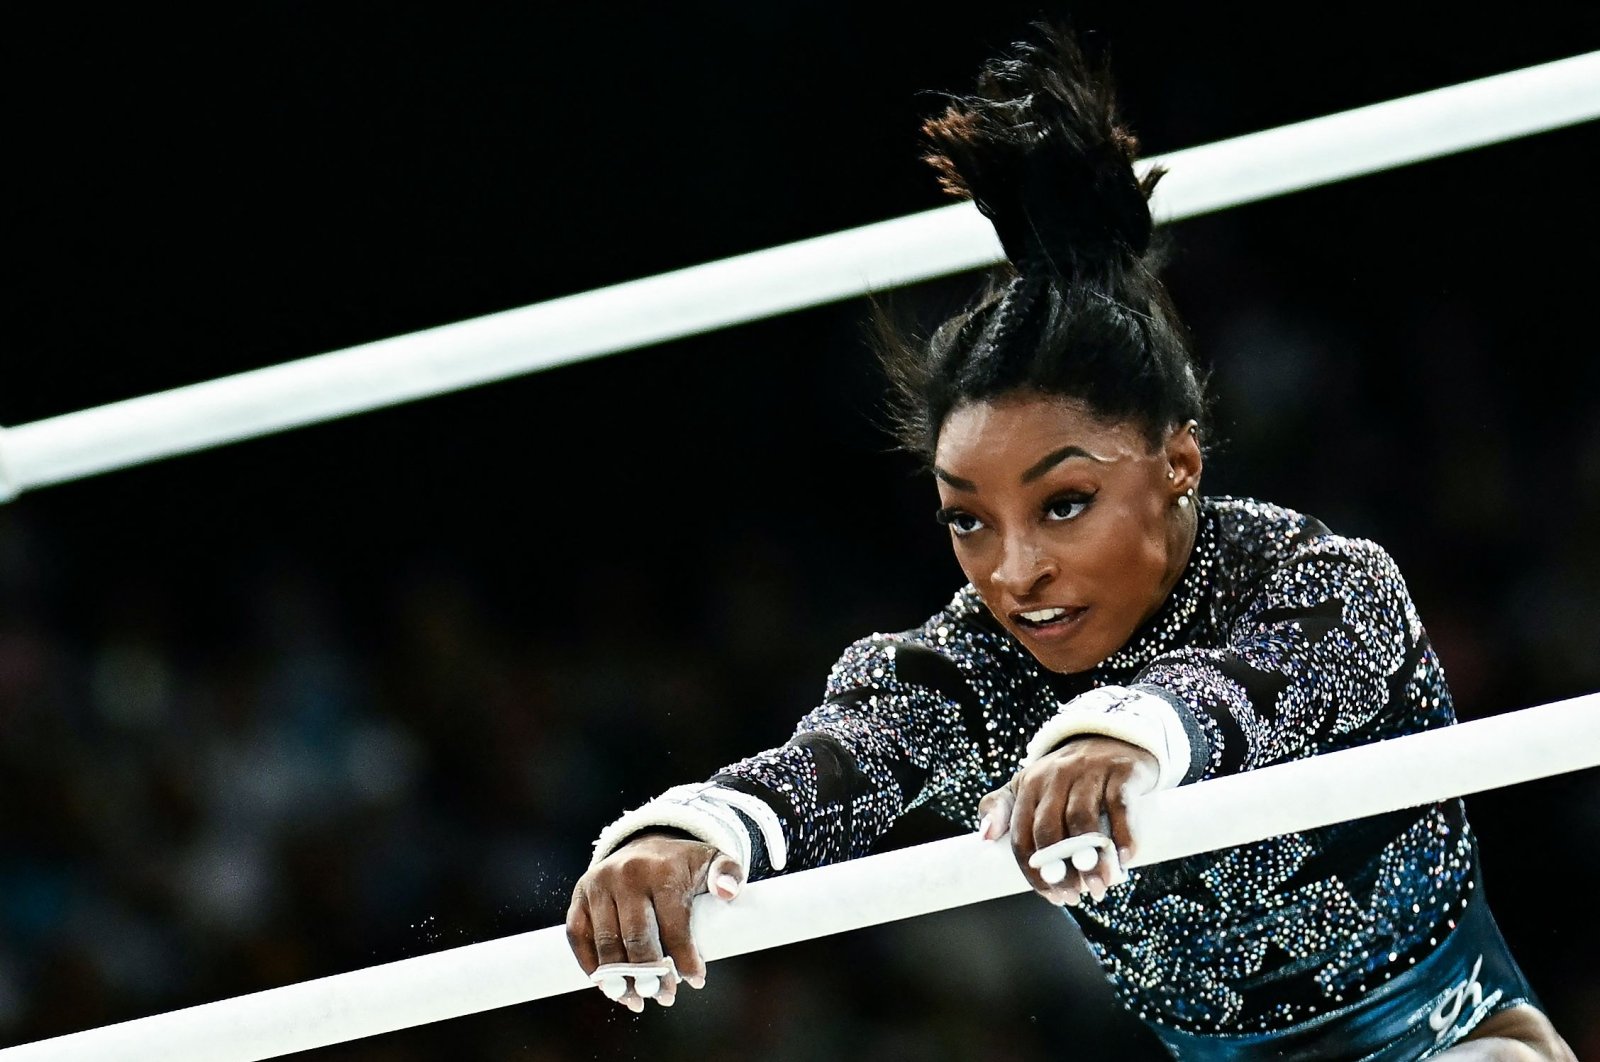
707, 813
1139, 718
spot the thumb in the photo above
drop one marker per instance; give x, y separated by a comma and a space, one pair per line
724, 877
994, 812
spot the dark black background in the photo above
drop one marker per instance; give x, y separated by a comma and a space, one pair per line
545, 599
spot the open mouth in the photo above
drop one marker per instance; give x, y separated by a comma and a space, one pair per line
1047, 619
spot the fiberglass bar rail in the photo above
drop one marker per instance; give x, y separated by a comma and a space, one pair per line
765, 283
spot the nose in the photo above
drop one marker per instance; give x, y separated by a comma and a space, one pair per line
1024, 566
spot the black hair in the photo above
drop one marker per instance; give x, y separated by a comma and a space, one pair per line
1077, 310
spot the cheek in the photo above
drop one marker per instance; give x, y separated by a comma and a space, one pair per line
971, 563
1127, 556
978, 567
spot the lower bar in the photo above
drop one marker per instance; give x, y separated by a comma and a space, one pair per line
1305, 794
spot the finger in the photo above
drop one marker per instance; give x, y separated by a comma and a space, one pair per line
640, 936
1099, 864
1021, 827
609, 947
1119, 798
1024, 814
994, 813
641, 943
1049, 816
663, 987
1115, 801
724, 877
1046, 830
1083, 816
580, 932
604, 932
673, 908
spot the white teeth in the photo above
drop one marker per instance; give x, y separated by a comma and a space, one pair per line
1044, 615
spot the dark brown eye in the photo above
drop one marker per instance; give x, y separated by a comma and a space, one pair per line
959, 521
1067, 507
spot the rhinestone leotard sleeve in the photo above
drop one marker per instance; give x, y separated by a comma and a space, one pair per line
933, 715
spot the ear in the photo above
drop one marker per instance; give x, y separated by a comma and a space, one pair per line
1184, 460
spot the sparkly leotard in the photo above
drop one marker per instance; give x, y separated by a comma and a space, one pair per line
1282, 640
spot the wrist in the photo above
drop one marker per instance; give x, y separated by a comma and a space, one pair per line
708, 813
652, 833
1135, 718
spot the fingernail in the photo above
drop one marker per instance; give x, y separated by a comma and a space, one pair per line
983, 827
727, 885
1097, 888
635, 1004
695, 982
666, 1000
1124, 853
1072, 898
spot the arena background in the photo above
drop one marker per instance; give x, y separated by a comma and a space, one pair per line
367, 690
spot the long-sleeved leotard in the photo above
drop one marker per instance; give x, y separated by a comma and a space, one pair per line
1281, 640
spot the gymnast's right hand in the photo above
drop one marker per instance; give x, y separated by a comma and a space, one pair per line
633, 906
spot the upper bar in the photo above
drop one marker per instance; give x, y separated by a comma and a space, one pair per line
761, 284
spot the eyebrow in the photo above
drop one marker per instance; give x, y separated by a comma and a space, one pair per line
1037, 469
1054, 458
956, 481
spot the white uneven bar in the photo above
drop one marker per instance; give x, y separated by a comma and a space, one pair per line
765, 283
1369, 780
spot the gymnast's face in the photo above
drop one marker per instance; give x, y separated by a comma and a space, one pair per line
1068, 525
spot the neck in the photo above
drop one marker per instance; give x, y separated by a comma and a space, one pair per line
1185, 531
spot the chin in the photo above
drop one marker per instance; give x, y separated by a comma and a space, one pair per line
1064, 660
1065, 663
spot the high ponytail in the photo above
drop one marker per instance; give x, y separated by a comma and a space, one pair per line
1039, 149
1077, 310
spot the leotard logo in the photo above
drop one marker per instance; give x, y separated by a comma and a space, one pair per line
1468, 994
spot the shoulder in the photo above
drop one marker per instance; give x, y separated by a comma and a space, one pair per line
1272, 548
1261, 535
1258, 534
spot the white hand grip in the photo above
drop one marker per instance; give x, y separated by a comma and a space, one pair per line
612, 977
1083, 850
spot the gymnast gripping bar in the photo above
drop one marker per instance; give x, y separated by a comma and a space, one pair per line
1239, 809
766, 283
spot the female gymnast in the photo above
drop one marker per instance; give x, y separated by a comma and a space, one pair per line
1120, 633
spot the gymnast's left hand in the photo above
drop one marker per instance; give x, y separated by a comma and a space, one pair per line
1085, 786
